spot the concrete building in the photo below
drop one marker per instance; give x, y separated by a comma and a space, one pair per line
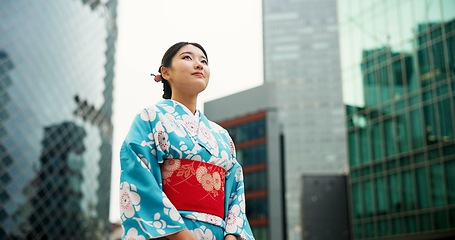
301, 55
325, 215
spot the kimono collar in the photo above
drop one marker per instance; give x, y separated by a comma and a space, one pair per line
196, 115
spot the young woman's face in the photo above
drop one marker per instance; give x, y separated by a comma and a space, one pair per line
189, 72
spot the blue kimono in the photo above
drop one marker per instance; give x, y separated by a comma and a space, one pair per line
168, 131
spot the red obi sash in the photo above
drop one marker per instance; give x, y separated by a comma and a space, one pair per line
194, 185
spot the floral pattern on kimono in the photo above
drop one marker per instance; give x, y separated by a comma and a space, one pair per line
168, 131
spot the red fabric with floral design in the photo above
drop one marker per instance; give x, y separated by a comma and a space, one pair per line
194, 185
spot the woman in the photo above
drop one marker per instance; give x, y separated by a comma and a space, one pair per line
179, 175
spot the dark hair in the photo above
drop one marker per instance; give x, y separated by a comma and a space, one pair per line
167, 60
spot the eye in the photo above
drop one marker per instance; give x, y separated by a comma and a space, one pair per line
187, 57
204, 62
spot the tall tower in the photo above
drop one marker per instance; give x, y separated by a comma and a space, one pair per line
301, 55
56, 86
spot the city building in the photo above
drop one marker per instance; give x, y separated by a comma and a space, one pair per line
325, 215
252, 121
56, 90
398, 67
301, 55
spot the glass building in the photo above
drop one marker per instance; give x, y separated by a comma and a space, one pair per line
398, 68
301, 55
249, 134
56, 86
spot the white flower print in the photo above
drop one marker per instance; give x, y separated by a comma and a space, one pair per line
215, 127
171, 125
232, 146
169, 109
183, 146
190, 124
132, 235
204, 133
234, 220
241, 203
144, 162
232, 197
147, 116
205, 217
211, 218
214, 144
150, 144
196, 148
204, 233
196, 158
170, 210
224, 156
158, 223
238, 175
223, 160
206, 136
161, 137
129, 200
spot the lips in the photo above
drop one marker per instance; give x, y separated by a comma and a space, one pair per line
198, 74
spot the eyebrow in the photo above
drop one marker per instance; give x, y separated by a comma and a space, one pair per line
191, 54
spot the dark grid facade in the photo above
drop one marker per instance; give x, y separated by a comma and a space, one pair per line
251, 117
401, 138
249, 134
56, 86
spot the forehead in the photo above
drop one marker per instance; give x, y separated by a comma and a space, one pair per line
191, 49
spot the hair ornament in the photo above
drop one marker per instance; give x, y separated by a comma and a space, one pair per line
157, 78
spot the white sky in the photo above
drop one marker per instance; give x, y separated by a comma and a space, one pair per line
230, 32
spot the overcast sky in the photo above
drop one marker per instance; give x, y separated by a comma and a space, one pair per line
230, 32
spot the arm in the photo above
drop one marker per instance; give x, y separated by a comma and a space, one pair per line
237, 224
145, 209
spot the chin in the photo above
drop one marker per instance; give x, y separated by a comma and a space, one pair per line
201, 86
199, 90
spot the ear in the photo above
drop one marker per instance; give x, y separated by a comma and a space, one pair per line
165, 73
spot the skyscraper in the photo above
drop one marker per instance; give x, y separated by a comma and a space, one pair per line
301, 55
398, 58
56, 85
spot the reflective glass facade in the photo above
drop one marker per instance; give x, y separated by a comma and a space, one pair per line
301, 55
56, 82
398, 67
249, 135
251, 117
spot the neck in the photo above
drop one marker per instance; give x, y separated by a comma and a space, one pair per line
189, 101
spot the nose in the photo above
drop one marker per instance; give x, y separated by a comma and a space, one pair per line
199, 65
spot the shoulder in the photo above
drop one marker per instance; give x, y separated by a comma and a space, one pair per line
150, 113
216, 127
213, 125
147, 114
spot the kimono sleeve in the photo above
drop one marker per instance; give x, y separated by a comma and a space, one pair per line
145, 210
236, 221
